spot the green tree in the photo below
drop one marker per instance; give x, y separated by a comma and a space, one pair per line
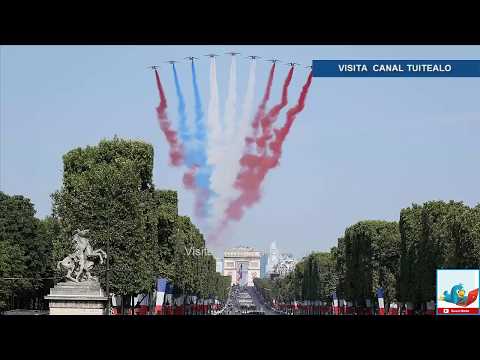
12, 265
338, 254
372, 259
319, 279
436, 235
108, 189
26, 244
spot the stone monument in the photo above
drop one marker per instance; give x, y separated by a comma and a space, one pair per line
81, 293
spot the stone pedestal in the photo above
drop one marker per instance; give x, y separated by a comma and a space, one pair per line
71, 298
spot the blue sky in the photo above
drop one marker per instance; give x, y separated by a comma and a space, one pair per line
363, 148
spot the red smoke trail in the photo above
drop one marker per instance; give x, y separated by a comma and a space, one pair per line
189, 178
281, 134
201, 198
201, 195
256, 167
176, 151
261, 109
267, 120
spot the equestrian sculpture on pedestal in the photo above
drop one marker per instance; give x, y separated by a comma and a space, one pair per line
80, 260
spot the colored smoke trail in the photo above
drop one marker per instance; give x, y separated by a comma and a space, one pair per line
256, 167
219, 174
203, 172
214, 127
267, 121
261, 109
189, 178
235, 149
194, 154
200, 133
231, 104
282, 133
182, 115
176, 151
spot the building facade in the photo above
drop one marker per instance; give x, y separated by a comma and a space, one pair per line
279, 264
285, 265
219, 265
273, 258
263, 265
242, 264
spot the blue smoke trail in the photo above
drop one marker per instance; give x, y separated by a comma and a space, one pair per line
202, 178
201, 131
183, 127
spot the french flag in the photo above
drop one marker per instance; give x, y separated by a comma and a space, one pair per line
168, 304
430, 308
203, 304
368, 310
239, 275
381, 303
144, 301
200, 306
335, 303
116, 304
393, 309
179, 306
347, 307
194, 304
160, 292
409, 308
342, 304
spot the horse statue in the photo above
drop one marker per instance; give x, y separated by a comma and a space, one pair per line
81, 257
68, 263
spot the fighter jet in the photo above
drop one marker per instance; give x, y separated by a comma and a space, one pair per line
191, 58
232, 53
309, 66
153, 67
273, 60
292, 64
211, 55
253, 57
171, 62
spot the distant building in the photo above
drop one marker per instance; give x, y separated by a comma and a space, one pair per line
285, 265
279, 265
263, 265
242, 264
273, 258
219, 266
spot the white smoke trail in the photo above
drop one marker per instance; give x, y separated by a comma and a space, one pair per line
231, 103
217, 178
214, 127
234, 150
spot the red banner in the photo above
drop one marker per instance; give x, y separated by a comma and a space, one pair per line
470, 311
